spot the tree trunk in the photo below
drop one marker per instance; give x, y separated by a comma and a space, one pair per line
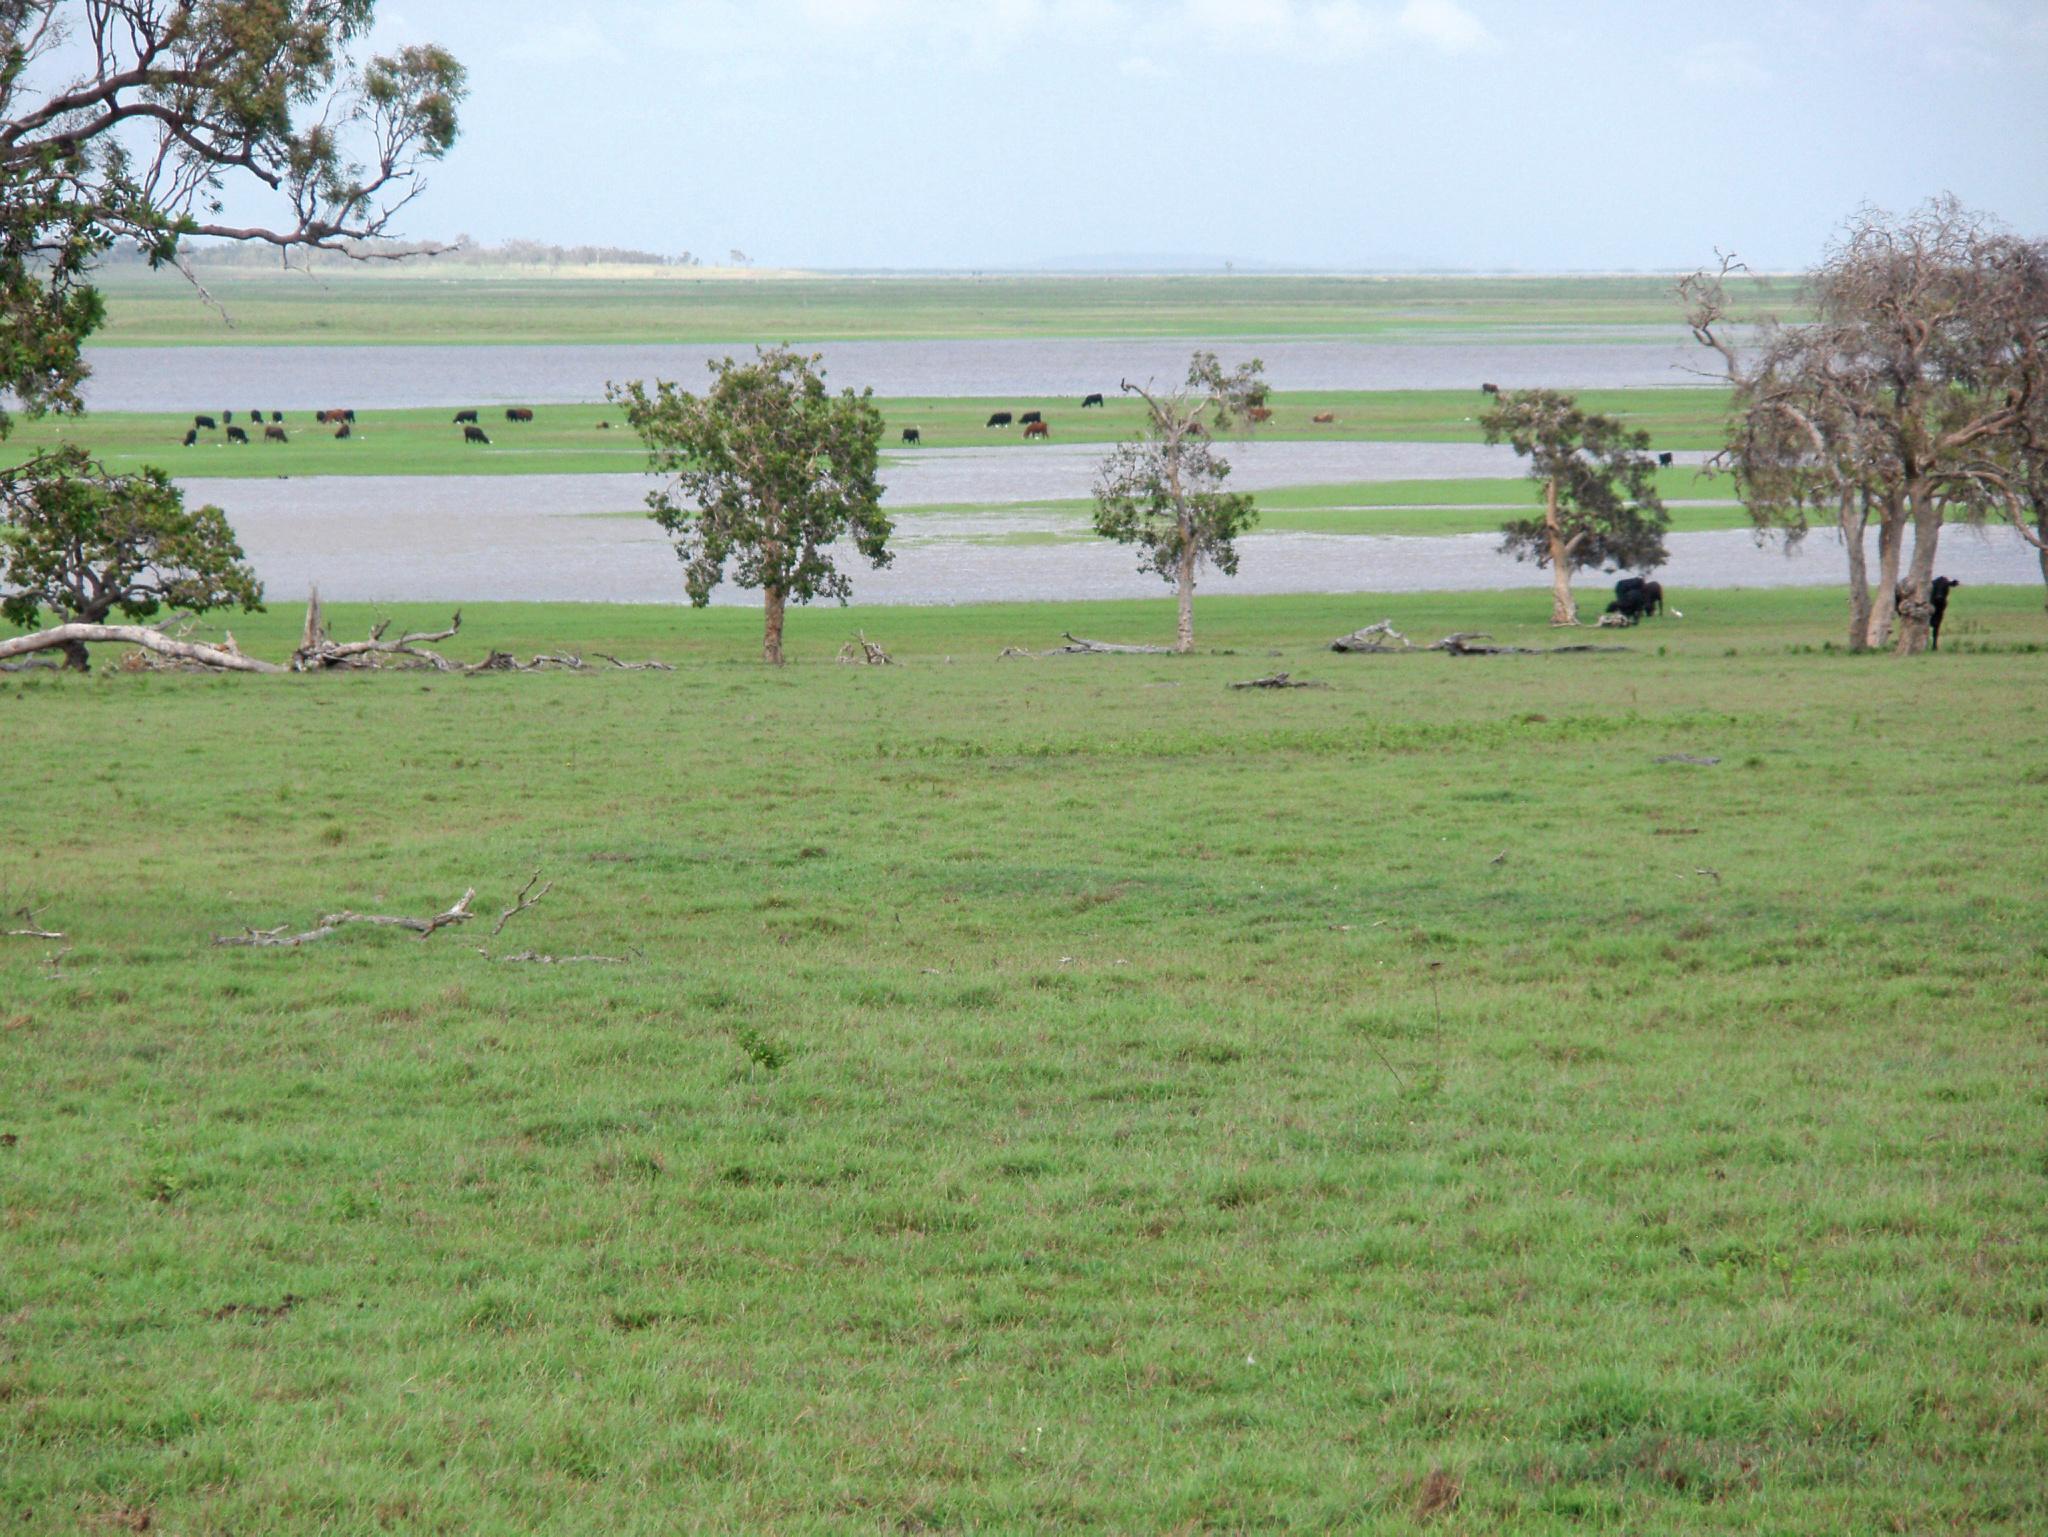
1913, 627
2041, 528
1891, 538
771, 641
1564, 608
1854, 516
76, 658
1184, 633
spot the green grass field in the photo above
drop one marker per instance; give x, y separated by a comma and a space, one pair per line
420, 304
1038, 1096
566, 439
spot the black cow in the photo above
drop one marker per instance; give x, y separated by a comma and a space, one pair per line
1090, 400
1664, 460
912, 435
274, 435
1031, 416
1636, 598
342, 431
277, 416
518, 414
464, 416
205, 421
227, 416
191, 436
474, 435
1489, 389
349, 417
256, 418
1937, 606
236, 435
1001, 419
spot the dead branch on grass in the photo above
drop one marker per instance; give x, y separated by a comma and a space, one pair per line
282, 937
522, 902
865, 652
1278, 680
1373, 637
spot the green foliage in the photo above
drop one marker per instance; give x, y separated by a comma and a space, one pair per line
767, 469
1605, 480
86, 544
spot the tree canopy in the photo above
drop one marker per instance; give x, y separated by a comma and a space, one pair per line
768, 470
1163, 491
1600, 502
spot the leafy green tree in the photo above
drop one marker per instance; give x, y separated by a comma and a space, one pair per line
1163, 491
768, 471
1600, 503
86, 544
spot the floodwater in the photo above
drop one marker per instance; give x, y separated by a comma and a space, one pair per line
545, 538
1036, 369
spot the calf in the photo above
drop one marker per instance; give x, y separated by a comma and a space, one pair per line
1031, 416
1324, 418
205, 421
518, 414
236, 435
1090, 400
342, 431
1262, 413
474, 435
274, 435
191, 436
1001, 419
912, 435
1037, 430
1664, 460
464, 416
1937, 606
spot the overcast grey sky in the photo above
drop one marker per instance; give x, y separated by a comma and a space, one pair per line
1531, 134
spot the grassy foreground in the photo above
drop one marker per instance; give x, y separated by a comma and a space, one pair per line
420, 304
1038, 1095
567, 439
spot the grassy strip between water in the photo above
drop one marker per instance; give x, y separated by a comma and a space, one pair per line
421, 305
567, 439
1038, 1095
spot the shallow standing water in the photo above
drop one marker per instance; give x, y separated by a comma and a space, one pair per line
387, 378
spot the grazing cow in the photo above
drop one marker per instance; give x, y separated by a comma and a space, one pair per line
1090, 400
1664, 460
1324, 418
464, 416
1031, 416
277, 416
1636, 598
1262, 413
1937, 606
256, 418
342, 431
236, 435
474, 435
912, 435
1001, 419
227, 416
1037, 430
191, 436
274, 435
518, 414
349, 417
1489, 389
205, 421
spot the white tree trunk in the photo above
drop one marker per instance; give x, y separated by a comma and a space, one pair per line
66, 636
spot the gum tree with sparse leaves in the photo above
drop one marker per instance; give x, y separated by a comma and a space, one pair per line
1600, 503
1163, 491
767, 471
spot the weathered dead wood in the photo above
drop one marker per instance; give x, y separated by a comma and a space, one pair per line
34, 664
197, 653
650, 666
539, 959
1278, 680
32, 934
282, 937
1467, 643
522, 902
865, 652
1373, 637
320, 652
505, 661
1076, 646
1016, 653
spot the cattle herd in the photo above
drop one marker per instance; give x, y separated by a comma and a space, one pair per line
341, 419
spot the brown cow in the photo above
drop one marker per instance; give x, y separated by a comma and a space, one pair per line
1262, 413
1324, 418
518, 414
1037, 430
342, 431
274, 435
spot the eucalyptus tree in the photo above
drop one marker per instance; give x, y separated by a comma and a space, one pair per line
1163, 491
1906, 402
767, 470
1599, 480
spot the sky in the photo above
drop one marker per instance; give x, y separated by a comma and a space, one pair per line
1344, 134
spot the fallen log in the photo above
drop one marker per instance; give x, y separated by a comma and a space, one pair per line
155, 641
1076, 646
318, 651
1278, 680
282, 937
1373, 637
606, 656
